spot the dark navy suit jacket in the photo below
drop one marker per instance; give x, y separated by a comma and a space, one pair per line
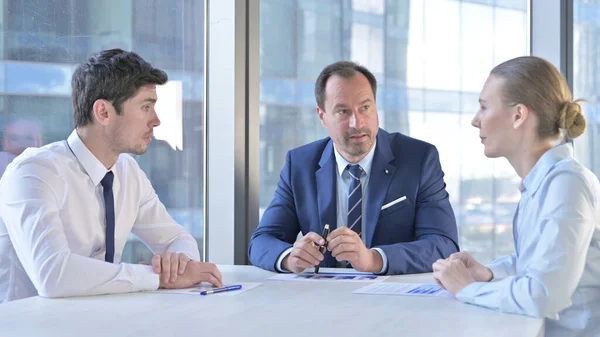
413, 233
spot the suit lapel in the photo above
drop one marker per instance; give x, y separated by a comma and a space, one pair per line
380, 178
326, 194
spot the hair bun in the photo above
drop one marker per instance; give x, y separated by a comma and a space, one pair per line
572, 119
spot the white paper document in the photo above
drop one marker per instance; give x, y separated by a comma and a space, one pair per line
329, 277
408, 289
196, 289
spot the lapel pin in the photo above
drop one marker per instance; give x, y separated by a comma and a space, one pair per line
387, 172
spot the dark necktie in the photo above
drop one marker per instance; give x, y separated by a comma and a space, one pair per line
109, 205
355, 199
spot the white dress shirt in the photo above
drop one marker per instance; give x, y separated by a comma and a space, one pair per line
555, 272
343, 185
52, 224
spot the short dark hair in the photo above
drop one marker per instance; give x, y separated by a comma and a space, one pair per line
345, 69
114, 75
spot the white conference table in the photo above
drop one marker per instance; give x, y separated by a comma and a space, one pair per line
275, 308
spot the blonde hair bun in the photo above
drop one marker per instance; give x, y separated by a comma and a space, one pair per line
571, 118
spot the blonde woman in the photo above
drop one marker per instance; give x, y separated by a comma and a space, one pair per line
526, 114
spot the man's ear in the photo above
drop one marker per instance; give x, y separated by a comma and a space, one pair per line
101, 111
321, 114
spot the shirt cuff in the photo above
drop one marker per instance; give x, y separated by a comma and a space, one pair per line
467, 295
143, 277
498, 272
384, 258
280, 259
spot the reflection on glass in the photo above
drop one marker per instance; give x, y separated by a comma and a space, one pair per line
17, 135
44, 40
431, 58
586, 79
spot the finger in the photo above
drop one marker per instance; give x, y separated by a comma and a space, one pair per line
210, 268
348, 246
340, 231
217, 272
437, 266
335, 242
166, 267
444, 262
458, 265
174, 266
463, 256
210, 278
347, 256
439, 283
455, 256
156, 262
345, 248
306, 256
309, 248
183, 261
214, 271
300, 263
313, 237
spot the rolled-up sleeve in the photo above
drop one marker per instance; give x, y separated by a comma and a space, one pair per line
31, 215
550, 277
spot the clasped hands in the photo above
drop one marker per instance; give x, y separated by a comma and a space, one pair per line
177, 271
458, 271
343, 243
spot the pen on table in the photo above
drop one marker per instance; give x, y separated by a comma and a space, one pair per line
220, 290
323, 247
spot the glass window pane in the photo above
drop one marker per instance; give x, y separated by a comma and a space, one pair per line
44, 40
586, 79
431, 58
441, 39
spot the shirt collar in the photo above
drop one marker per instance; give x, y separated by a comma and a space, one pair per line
94, 168
365, 163
545, 164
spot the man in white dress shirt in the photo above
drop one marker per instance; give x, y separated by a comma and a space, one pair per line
66, 209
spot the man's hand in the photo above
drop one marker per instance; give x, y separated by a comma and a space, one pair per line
304, 254
346, 245
452, 275
169, 265
195, 272
479, 272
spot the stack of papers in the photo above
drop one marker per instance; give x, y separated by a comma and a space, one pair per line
407, 289
331, 277
196, 289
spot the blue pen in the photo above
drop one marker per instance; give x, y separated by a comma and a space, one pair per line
220, 290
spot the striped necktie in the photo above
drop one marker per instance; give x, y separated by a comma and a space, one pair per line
355, 199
